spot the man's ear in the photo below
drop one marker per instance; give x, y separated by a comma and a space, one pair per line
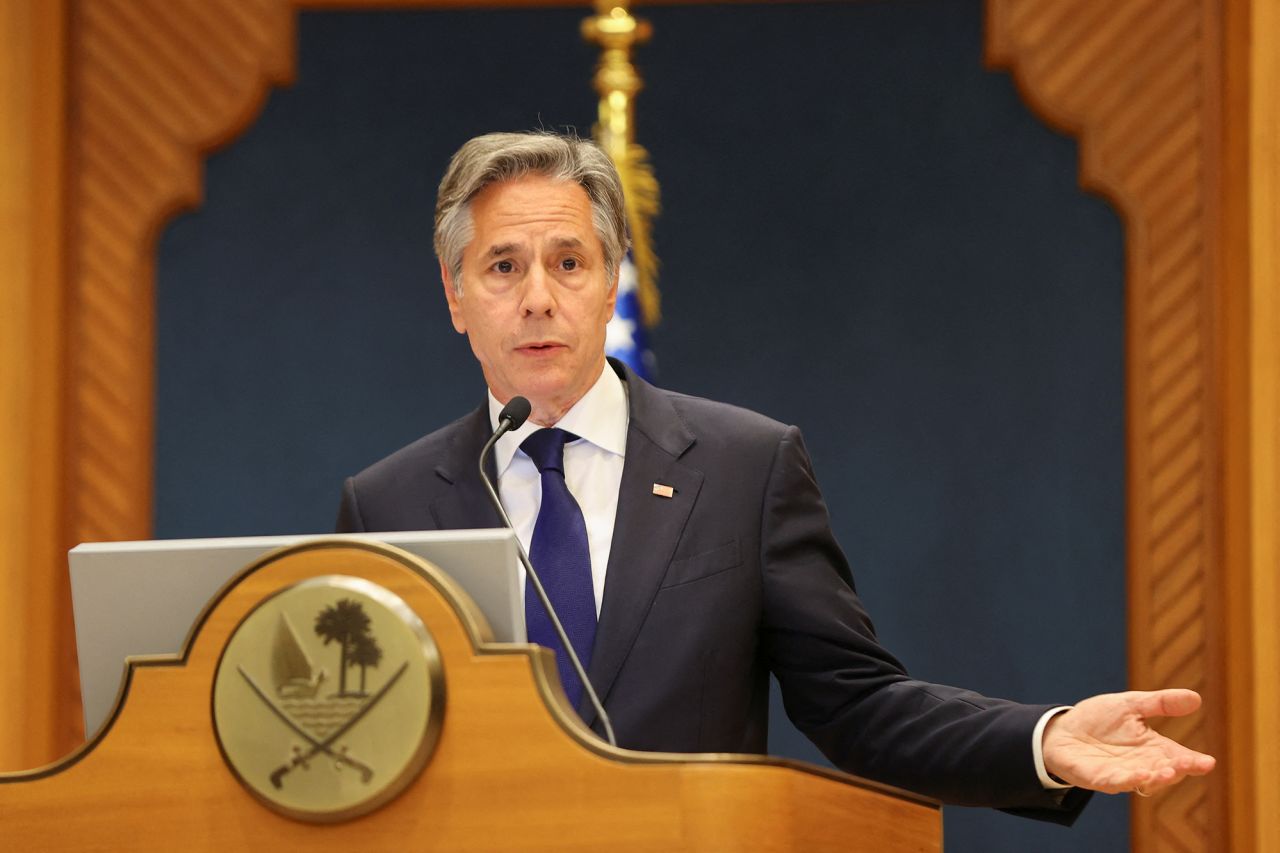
611, 302
455, 301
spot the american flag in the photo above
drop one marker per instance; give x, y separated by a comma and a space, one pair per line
627, 337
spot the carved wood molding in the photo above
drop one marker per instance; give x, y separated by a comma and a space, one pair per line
1137, 82
154, 85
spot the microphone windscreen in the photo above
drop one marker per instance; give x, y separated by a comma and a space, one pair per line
517, 411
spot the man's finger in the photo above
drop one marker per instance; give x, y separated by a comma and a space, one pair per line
1196, 764
1165, 703
1192, 764
1167, 777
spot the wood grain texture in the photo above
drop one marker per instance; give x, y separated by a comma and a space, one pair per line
514, 768
1264, 400
1251, 375
1138, 81
39, 716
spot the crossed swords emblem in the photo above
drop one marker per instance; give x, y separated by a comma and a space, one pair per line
319, 745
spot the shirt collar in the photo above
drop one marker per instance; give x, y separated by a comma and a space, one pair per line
600, 417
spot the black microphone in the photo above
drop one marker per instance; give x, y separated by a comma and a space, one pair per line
517, 411
512, 417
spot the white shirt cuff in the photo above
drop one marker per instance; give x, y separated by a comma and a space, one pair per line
1037, 750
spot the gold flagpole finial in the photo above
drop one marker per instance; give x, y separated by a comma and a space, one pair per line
617, 82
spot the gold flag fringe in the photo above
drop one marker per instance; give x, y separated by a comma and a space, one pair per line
640, 187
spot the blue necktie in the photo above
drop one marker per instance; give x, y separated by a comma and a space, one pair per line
560, 554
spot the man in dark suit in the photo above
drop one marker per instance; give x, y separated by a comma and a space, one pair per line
697, 529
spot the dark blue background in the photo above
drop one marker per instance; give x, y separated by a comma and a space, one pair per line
864, 233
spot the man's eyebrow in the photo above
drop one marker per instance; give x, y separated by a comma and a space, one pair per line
512, 248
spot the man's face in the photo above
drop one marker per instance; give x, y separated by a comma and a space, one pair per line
535, 299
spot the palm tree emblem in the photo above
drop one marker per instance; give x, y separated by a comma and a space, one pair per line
346, 624
364, 654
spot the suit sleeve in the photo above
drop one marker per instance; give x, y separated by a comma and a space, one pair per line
853, 699
349, 519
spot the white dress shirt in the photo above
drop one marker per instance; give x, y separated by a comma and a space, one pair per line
592, 469
593, 472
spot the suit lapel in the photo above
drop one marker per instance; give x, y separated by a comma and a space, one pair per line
646, 529
466, 505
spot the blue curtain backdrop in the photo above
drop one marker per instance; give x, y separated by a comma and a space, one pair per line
865, 233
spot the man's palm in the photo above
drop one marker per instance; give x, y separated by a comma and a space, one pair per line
1105, 744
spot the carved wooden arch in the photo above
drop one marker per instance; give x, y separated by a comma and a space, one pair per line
156, 84
1138, 83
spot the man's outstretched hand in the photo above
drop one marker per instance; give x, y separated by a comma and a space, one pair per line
1105, 744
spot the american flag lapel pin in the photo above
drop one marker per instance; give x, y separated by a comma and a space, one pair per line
663, 491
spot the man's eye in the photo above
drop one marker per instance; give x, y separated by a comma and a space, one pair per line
504, 266
569, 264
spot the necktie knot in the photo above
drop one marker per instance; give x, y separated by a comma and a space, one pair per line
546, 448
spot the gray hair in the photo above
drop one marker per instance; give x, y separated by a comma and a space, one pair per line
497, 157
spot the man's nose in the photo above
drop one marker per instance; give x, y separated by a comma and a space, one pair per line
537, 297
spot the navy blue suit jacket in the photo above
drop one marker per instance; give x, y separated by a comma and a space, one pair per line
737, 575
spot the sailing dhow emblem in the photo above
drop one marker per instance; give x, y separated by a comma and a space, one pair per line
333, 720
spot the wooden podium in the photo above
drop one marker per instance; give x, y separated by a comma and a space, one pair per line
512, 767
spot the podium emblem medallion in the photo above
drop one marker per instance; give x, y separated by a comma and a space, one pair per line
328, 699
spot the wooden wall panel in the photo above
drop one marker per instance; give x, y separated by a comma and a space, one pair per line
1263, 199
1250, 375
40, 706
